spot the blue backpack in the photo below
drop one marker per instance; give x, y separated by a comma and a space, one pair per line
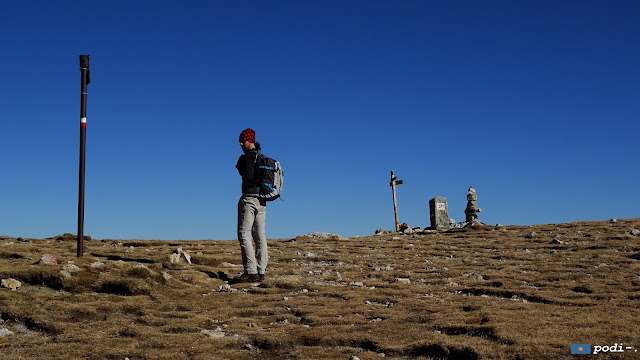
270, 177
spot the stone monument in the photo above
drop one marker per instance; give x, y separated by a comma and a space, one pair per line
472, 209
439, 213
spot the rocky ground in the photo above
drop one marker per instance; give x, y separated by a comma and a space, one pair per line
482, 292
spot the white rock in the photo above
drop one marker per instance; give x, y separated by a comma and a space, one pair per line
10, 283
71, 268
213, 334
403, 281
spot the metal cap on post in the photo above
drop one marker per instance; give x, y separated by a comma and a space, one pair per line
84, 80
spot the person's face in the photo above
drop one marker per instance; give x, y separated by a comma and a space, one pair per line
245, 145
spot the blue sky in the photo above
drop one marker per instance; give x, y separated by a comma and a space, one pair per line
534, 103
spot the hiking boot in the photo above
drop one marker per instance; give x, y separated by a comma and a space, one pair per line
246, 278
260, 277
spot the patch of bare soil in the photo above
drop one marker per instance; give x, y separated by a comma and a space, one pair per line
485, 292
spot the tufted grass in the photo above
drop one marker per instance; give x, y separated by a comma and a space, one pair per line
476, 293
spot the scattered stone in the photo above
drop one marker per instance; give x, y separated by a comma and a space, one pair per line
10, 283
309, 254
357, 283
613, 220
213, 334
380, 232
71, 267
396, 238
97, 265
475, 276
166, 276
499, 226
175, 257
226, 288
353, 357
6, 332
635, 232
383, 268
460, 225
403, 281
247, 347
557, 241
321, 235
531, 235
475, 222
252, 325
47, 259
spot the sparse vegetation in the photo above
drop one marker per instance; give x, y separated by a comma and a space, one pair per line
475, 293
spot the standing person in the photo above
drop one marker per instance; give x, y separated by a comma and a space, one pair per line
251, 213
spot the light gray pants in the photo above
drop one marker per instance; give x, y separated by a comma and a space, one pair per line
251, 222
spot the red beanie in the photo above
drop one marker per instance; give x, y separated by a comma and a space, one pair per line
248, 135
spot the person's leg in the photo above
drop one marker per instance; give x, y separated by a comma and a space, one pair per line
246, 217
259, 236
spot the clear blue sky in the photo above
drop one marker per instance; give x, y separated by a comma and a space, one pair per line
534, 103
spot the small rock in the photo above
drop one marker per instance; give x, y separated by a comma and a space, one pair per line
531, 235
403, 281
358, 283
613, 220
47, 259
6, 332
635, 232
175, 257
247, 347
252, 325
475, 276
225, 288
166, 275
97, 265
213, 334
353, 357
10, 283
71, 268
556, 241
309, 254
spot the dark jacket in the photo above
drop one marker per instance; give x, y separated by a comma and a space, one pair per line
247, 168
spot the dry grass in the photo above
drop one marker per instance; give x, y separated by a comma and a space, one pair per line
479, 293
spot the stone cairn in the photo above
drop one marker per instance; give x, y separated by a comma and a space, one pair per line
472, 209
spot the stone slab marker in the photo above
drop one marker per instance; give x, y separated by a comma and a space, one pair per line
439, 211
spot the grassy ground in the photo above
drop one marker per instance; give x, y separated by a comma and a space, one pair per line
476, 293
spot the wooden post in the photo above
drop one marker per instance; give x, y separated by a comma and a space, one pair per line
393, 184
